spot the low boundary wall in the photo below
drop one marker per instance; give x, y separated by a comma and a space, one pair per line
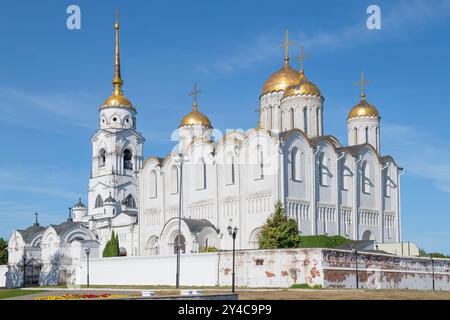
328, 268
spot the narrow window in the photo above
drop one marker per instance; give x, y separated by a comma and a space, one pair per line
130, 202
201, 175
127, 156
259, 173
323, 170
230, 170
295, 164
174, 180
365, 170
102, 158
346, 174
305, 119
291, 117
367, 135
387, 185
99, 202
153, 184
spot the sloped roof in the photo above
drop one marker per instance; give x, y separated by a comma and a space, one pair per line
61, 228
31, 232
197, 225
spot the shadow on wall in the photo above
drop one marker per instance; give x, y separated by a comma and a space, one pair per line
50, 274
14, 276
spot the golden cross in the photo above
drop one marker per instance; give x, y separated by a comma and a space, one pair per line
362, 83
301, 58
194, 93
286, 45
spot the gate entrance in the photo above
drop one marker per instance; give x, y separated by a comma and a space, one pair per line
31, 273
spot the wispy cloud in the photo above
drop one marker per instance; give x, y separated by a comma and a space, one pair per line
400, 19
421, 153
31, 110
48, 181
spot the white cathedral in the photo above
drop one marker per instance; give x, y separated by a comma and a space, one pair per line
233, 180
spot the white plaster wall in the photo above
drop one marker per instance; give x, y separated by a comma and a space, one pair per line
3, 270
198, 269
271, 268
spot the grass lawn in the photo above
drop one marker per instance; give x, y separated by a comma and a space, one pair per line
11, 293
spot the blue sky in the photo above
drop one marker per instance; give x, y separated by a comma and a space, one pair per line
53, 80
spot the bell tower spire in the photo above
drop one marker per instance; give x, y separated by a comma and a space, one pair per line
117, 81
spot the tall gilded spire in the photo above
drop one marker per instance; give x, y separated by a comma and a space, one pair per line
117, 99
117, 81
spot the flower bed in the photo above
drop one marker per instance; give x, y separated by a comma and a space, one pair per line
82, 296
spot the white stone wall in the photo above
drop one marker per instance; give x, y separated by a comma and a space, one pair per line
3, 270
271, 268
199, 269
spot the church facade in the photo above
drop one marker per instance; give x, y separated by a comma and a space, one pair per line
214, 182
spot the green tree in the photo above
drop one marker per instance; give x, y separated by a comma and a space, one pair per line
3, 251
112, 246
423, 253
279, 231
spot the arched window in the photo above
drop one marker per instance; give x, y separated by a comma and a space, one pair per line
365, 177
323, 170
99, 201
101, 158
367, 135
270, 117
174, 180
356, 135
127, 156
291, 118
346, 176
305, 120
230, 170
295, 164
387, 185
130, 202
201, 174
153, 184
259, 166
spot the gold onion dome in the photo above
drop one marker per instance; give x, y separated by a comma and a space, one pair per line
302, 86
117, 99
282, 79
363, 109
195, 117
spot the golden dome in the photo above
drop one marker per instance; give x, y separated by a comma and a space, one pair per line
302, 86
117, 101
363, 109
195, 117
282, 79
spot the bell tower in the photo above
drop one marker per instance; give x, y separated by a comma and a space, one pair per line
116, 152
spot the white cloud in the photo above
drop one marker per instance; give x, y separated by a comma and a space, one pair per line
401, 19
421, 153
49, 181
33, 111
